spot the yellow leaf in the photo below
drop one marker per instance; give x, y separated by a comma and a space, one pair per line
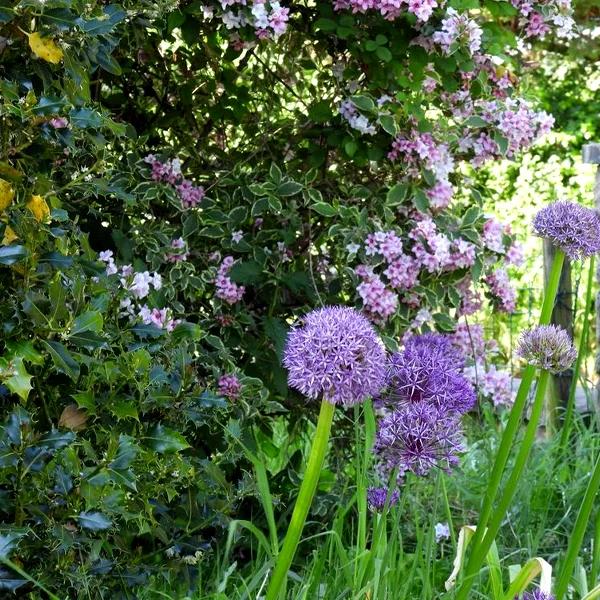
73, 418
9, 236
37, 205
45, 48
6, 194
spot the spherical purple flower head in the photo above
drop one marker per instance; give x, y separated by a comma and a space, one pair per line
426, 372
547, 347
439, 347
376, 498
335, 353
537, 595
575, 229
418, 437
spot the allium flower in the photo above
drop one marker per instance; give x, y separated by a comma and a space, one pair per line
575, 229
418, 437
376, 498
548, 347
229, 386
537, 595
335, 353
428, 371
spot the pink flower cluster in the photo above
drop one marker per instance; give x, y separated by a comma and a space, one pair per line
513, 119
539, 17
504, 295
229, 386
177, 251
493, 233
470, 298
268, 18
390, 9
170, 172
420, 151
429, 251
226, 289
137, 286
357, 121
490, 381
458, 29
160, 318
379, 302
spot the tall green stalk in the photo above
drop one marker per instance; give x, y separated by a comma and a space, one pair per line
479, 554
304, 500
578, 533
583, 340
512, 426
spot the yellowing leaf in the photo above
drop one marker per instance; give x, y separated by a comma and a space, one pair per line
45, 48
73, 418
6, 194
9, 236
40, 209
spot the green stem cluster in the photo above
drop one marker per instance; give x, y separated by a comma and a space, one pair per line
482, 540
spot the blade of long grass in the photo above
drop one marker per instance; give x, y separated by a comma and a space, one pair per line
578, 533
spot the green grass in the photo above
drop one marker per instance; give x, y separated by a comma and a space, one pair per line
337, 558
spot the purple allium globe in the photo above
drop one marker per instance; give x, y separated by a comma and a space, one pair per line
537, 595
335, 353
376, 498
418, 437
428, 370
435, 346
547, 347
575, 229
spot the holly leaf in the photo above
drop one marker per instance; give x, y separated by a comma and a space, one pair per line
15, 377
166, 441
95, 521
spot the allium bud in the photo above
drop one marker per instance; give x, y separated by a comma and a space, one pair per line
571, 227
547, 347
376, 498
335, 353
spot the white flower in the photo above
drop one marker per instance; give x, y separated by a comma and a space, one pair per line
353, 248
156, 281
140, 287
237, 236
442, 532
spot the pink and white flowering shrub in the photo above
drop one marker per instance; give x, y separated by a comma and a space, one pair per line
226, 289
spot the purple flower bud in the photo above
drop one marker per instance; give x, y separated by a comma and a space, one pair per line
376, 498
335, 353
575, 229
547, 347
418, 437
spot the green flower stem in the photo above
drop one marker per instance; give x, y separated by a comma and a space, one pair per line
512, 426
304, 500
578, 533
583, 340
552, 287
478, 555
